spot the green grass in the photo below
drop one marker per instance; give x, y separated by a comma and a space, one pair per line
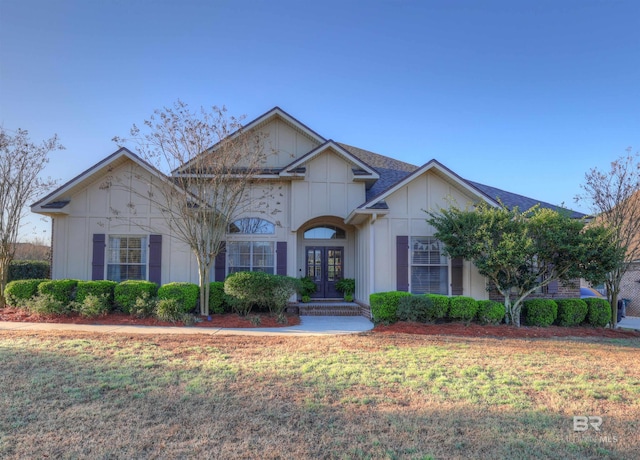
78, 395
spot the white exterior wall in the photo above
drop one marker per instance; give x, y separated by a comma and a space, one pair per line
284, 144
406, 217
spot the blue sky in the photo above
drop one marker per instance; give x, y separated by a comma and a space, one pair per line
521, 95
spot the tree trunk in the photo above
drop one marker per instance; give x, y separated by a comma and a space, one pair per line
4, 276
203, 275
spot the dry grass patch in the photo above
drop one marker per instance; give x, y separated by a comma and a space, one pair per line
75, 395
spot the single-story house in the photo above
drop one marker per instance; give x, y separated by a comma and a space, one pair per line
340, 212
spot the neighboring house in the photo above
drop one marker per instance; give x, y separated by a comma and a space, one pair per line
339, 211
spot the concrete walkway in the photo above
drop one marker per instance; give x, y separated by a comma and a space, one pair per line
309, 326
629, 322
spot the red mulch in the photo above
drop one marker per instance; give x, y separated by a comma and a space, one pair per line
225, 320
502, 330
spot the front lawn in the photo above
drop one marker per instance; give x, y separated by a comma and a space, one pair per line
77, 395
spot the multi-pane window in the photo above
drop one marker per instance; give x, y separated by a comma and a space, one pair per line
325, 232
429, 267
250, 256
252, 226
127, 258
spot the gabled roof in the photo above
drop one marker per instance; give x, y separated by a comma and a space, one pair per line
274, 113
59, 198
362, 170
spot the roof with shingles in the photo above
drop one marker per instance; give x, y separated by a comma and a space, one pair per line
393, 171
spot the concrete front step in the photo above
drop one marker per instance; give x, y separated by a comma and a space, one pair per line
328, 309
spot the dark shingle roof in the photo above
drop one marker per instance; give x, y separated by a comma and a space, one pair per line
393, 171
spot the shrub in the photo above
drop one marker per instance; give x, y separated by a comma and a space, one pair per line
417, 308
441, 304
20, 291
93, 306
347, 286
47, 304
169, 310
282, 288
28, 269
127, 292
490, 312
247, 289
540, 312
384, 306
61, 290
599, 312
218, 302
144, 307
95, 288
308, 287
186, 294
463, 308
571, 312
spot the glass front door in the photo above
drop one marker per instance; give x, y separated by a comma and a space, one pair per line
325, 267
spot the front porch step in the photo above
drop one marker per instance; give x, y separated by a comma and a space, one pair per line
328, 309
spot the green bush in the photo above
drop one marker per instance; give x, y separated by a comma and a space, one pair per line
144, 307
384, 306
490, 312
282, 288
61, 290
441, 305
308, 287
127, 292
186, 294
95, 288
47, 304
540, 312
93, 306
218, 302
417, 308
28, 269
347, 286
571, 312
170, 310
463, 308
249, 289
19, 292
599, 312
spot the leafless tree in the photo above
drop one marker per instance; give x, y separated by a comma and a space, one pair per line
211, 168
21, 162
614, 197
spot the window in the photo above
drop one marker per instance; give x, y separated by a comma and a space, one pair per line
252, 226
429, 267
325, 232
127, 258
250, 256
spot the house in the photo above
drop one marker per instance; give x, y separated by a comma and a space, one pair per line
340, 212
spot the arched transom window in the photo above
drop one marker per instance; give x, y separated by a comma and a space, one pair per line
325, 232
252, 226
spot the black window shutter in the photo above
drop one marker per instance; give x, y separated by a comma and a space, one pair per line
402, 263
281, 258
220, 264
155, 259
97, 262
456, 275
552, 287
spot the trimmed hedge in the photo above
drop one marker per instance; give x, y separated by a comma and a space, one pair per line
540, 312
28, 269
441, 305
571, 312
599, 312
463, 308
60, 290
416, 308
186, 294
490, 312
218, 302
384, 305
95, 288
249, 289
127, 292
19, 292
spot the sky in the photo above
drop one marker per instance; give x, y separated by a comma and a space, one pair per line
526, 96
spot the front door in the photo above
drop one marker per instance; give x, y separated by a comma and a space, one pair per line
324, 267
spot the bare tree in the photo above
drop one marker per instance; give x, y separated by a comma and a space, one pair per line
210, 167
614, 197
21, 162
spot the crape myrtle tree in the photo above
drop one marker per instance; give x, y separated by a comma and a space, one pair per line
21, 163
521, 252
210, 166
614, 197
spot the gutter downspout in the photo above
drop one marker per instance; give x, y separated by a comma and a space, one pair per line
372, 254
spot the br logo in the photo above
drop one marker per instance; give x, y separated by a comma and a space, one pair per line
582, 422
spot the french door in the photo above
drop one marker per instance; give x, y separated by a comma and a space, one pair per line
325, 267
